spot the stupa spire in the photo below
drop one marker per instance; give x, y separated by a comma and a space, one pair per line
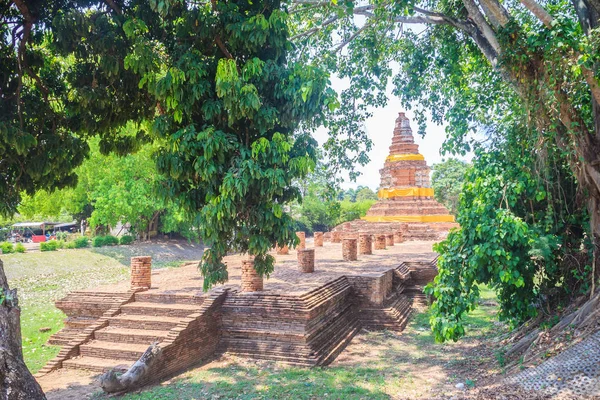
405, 191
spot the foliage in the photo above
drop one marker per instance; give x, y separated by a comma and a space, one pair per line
19, 248
6, 247
361, 193
517, 235
51, 245
447, 180
62, 236
81, 242
107, 240
126, 239
353, 210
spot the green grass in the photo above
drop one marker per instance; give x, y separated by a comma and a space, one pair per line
382, 365
43, 278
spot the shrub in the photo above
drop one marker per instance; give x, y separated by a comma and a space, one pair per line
70, 245
81, 242
6, 247
52, 245
110, 240
98, 241
107, 240
126, 239
19, 248
60, 235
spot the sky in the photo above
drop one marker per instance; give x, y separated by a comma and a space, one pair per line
380, 128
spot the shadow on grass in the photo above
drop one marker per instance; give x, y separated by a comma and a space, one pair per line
240, 382
165, 254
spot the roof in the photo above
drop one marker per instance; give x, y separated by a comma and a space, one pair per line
33, 224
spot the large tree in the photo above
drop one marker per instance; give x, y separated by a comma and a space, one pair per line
480, 66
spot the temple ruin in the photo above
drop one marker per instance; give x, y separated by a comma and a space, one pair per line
405, 197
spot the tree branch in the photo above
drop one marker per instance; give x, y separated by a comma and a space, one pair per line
315, 29
485, 28
495, 12
114, 6
539, 11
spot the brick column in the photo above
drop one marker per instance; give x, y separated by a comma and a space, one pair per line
380, 242
336, 237
327, 237
318, 239
306, 260
251, 281
141, 272
349, 252
365, 243
389, 239
398, 236
283, 250
302, 237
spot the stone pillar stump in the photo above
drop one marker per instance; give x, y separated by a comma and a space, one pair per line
306, 260
318, 239
336, 237
389, 239
349, 250
380, 242
302, 237
398, 236
251, 281
141, 272
327, 237
365, 244
283, 250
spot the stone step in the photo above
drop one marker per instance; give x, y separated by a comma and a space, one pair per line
112, 350
97, 364
125, 335
135, 321
79, 322
64, 336
157, 309
169, 298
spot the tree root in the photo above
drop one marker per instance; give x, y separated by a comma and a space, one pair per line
112, 382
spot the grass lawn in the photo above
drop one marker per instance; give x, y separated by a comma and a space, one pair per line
376, 365
41, 279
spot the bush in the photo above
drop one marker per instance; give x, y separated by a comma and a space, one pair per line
19, 248
7, 248
126, 239
52, 245
70, 245
60, 235
81, 242
107, 240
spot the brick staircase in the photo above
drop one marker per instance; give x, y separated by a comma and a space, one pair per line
304, 330
83, 309
146, 320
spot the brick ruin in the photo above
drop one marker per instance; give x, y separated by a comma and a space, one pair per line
111, 331
405, 198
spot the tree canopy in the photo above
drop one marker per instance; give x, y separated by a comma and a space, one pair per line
447, 181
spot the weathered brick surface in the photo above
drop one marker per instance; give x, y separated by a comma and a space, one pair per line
306, 260
380, 242
302, 237
327, 237
365, 243
398, 236
349, 250
389, 239
318, 239
336, 237
141, 272
251, 281
283, 250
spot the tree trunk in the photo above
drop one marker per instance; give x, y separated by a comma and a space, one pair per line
16, 382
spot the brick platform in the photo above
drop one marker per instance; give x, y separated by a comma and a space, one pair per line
304, 319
